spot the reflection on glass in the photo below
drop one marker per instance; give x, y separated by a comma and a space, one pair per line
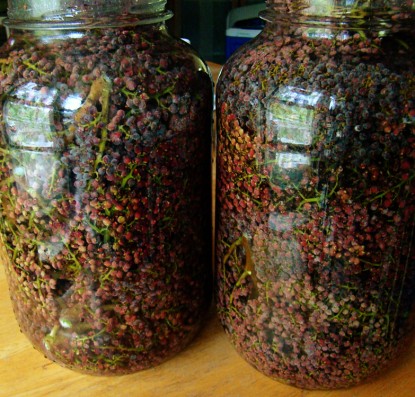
292, 164
34, 171
289, 133
282, 223
31, 92
72, 102
28, 115
29, 126
290, 116
282, 255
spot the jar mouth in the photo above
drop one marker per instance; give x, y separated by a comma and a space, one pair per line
68, 22
384, 19
68, 14
340, 7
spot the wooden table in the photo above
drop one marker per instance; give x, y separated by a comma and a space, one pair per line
209, 367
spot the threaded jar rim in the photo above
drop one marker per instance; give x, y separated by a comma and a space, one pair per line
69, 14
381, 14
349, 9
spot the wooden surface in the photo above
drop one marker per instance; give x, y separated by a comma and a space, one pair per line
209, 367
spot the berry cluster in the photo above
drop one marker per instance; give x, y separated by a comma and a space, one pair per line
104, 167
315, 200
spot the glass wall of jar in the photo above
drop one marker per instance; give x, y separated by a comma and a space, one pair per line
104, 167
315, 191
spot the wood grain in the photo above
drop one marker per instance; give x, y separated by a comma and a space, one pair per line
209, 367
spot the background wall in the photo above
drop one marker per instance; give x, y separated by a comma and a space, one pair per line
3, 13
203, 22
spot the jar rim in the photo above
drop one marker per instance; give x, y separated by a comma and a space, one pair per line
342, 9
327, 6
51, 14
381, 18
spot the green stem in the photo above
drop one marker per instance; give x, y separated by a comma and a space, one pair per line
32, 66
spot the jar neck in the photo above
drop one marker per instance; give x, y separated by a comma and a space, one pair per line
70, 14
374, 14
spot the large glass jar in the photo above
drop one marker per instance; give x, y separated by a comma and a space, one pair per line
104, 168
316, 192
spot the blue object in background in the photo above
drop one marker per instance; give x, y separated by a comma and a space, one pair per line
242, 25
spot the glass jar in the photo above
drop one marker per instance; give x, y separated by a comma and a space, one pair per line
315, 191
105, 165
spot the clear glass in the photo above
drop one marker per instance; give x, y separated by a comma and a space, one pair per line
315, 194
105, 137
30, 10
